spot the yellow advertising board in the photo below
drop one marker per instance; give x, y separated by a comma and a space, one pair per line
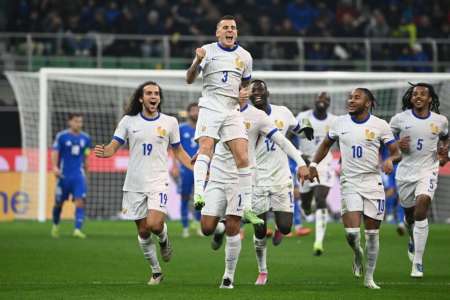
21, 202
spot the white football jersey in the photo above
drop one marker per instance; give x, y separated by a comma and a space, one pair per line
223, 167
272, 165
223, 71
148, 141
424, 134
321, 128
360, 143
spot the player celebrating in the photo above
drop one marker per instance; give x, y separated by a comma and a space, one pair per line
70, 150
148, 133
186, 180
226, 67
222, 195
321, 121
360, 135
274, 187
423, 134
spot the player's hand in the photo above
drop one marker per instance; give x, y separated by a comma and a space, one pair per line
99, 150
388, 166
57, 171
403, 143
313, 174
307, 129
175, 173
200, 54
303, 174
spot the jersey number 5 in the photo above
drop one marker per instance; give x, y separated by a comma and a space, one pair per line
147, 149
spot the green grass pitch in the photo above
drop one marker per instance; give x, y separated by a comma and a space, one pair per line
109, 265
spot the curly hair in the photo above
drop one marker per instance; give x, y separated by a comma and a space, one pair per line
134, 105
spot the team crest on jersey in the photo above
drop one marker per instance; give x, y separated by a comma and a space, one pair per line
370, 135
434, 128
279, 124
124, 211
161, 132
247, 125
239, 64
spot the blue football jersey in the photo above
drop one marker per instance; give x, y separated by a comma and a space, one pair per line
72, 149
187, 134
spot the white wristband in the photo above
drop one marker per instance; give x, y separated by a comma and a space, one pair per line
313, 164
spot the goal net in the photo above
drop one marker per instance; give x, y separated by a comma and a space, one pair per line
47, 97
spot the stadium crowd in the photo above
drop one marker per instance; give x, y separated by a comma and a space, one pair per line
410, 19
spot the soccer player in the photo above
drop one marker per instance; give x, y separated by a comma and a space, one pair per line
423, 140
226, 69
321, 121
273, 181
360, 135
222, 195
69, 159
186, 180
148, 133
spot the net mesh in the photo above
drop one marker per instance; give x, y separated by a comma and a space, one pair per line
101, 97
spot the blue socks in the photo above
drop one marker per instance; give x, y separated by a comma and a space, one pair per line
185, 213
79, 217
56, 214
297, 213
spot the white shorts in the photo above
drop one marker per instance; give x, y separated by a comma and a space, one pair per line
326, 176
225, 126
222, 199
275, 198
373, 208
408, 191
135, 205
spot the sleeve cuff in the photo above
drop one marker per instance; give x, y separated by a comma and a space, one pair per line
120, 140
247, 78
297, 128
175, 145
328, 135
272, 132
443, 137
390, 142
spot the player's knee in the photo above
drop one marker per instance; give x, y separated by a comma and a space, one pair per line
242, 160
232, 225
207, 227
260, 231
156, 227
420, 214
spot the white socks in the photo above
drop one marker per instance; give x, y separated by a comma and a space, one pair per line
353, 238
372, 249
321, 224
420, 240
149, 250
232, 251
245, 185
201, 167
261, 253
163, 235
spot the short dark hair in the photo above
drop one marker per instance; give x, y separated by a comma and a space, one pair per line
226, 17
191, 105
73, 115
369, 96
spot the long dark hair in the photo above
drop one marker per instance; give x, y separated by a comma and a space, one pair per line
134, 105
434, 105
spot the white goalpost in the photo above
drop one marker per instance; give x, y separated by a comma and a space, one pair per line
45, 98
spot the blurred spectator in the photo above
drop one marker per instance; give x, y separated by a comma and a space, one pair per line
301, 14
419, 56
377, 26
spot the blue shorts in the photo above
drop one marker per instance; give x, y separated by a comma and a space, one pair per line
293, 169
186, 182
75, 186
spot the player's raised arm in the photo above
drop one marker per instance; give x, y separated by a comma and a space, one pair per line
194, 69
109, 150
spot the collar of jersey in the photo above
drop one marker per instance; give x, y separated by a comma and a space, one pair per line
317, 118
244, 108
360, 122
228, 49
419, 117
150, 119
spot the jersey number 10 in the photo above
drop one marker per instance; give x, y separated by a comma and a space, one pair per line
357, 151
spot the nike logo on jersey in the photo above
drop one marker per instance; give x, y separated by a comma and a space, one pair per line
344, 132
407, 127
134, 131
